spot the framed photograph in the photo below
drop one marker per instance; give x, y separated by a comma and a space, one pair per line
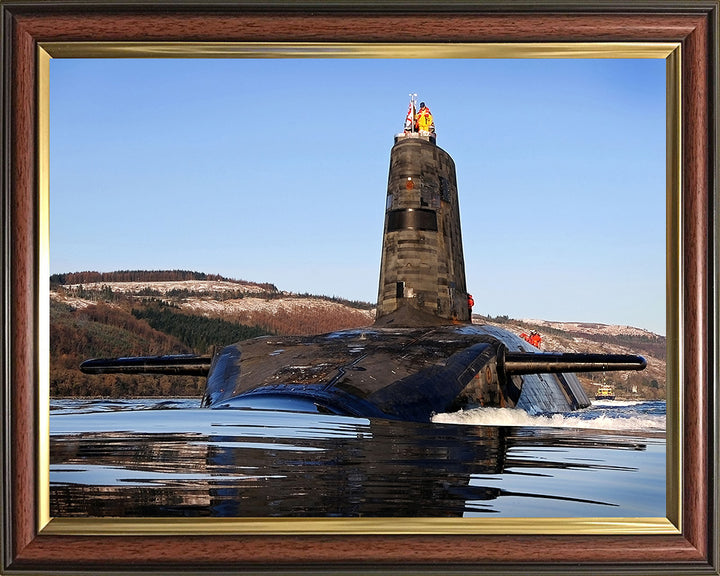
682, 34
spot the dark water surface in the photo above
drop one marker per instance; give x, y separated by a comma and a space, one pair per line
151, 458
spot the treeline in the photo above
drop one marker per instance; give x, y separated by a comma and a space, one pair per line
183, 293
197, 332
73, 383
105, 293
87, 277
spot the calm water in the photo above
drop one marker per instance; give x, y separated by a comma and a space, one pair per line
171, 458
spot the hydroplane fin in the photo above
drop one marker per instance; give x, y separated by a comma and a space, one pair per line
176, 364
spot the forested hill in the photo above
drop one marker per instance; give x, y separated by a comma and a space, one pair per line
137, 313
94, 314
91, 277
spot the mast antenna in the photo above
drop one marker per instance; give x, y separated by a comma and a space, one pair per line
413, 110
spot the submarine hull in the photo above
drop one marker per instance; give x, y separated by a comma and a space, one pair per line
405, 373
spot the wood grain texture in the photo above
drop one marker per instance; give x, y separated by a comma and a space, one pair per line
697, 202
422, 27
689, 552
22, 292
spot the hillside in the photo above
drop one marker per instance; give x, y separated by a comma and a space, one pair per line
603, 339
101, 315
142, 313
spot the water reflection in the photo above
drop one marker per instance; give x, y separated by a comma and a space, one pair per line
254, 463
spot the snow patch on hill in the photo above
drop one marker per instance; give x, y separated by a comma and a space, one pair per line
72, 301
273, 306
591, 328
209, 306
207, 286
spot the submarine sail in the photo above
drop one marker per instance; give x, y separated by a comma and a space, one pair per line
422, 265
423, 355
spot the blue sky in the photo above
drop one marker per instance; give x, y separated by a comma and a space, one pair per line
275, 170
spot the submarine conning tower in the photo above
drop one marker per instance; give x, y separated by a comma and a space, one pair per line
422, 270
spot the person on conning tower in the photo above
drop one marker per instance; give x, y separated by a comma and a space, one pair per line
424, 120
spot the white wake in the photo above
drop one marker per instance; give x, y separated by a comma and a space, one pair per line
595, 420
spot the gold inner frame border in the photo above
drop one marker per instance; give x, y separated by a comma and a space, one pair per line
669, 51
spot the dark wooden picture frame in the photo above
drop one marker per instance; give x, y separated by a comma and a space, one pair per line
693, 24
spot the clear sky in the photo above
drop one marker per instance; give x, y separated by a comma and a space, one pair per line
275, 170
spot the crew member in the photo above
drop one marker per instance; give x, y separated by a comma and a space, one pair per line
471, 303
535, 339
424, 120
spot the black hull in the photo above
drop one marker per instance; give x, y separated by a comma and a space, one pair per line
398, 373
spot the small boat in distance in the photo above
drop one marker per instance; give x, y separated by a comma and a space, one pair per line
605, 392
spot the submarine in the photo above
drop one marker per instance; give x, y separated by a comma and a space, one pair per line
423, 355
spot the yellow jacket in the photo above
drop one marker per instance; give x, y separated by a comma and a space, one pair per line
424, 119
